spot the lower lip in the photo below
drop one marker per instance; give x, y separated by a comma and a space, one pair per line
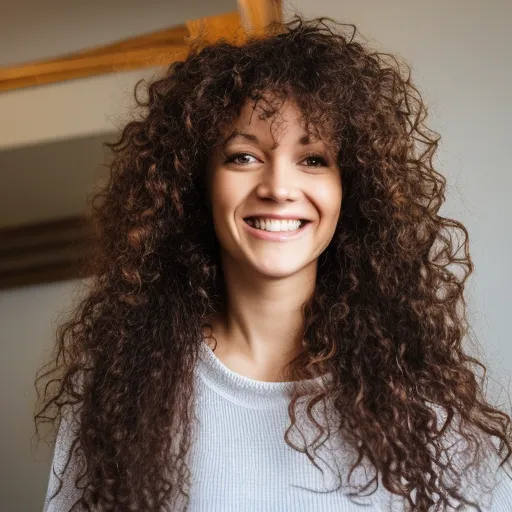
278, 236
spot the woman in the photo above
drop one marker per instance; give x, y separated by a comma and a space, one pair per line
277, 313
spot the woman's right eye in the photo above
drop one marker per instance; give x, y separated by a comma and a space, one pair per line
234, 158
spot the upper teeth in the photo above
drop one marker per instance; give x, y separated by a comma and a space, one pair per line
274, 225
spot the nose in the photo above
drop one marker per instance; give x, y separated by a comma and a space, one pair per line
278, 182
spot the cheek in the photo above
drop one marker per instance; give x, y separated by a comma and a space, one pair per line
223, 194
227, 193
328, 196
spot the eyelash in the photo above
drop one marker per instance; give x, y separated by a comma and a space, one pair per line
323, 162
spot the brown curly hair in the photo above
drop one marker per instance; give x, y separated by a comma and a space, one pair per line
387, 318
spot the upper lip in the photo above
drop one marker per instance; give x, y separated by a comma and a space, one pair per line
280, 216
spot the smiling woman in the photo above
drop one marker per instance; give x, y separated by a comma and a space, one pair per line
275, 194
277, 315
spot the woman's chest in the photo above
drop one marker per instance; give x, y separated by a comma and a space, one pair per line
241, 461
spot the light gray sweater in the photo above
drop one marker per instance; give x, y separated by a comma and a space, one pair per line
240, 461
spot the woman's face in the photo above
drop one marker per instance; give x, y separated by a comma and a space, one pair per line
275, 209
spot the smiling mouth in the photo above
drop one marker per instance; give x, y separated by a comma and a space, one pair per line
275, 225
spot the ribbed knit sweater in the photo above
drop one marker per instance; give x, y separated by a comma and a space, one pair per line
240, 461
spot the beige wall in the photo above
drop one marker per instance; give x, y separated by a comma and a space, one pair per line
459, 52
28, 319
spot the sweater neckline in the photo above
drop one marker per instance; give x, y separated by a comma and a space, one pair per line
245, 391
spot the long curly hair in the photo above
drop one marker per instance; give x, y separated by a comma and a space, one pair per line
387, 319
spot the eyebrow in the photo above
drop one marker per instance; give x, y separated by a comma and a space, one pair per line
304, 139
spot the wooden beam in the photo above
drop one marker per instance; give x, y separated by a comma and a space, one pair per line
252, 17
160, 48
212, 28
157, 49
257, 14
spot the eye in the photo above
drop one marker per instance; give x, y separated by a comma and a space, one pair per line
321, 161
235, 158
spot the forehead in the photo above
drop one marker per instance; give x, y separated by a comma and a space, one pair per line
259, 123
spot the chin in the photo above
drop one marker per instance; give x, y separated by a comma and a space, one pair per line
283, 270
277, 274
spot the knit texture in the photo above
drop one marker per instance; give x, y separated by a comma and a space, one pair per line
241, 462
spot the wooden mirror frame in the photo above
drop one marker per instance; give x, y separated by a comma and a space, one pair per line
52, 251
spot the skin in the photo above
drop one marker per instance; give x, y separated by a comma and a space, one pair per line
267, 282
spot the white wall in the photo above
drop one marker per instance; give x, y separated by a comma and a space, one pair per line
459, 53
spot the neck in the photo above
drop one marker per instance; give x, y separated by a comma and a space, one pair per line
262, 327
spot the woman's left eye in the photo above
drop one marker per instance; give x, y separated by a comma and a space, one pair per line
321, 160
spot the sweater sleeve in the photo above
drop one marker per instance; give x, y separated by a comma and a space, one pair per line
68, 494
